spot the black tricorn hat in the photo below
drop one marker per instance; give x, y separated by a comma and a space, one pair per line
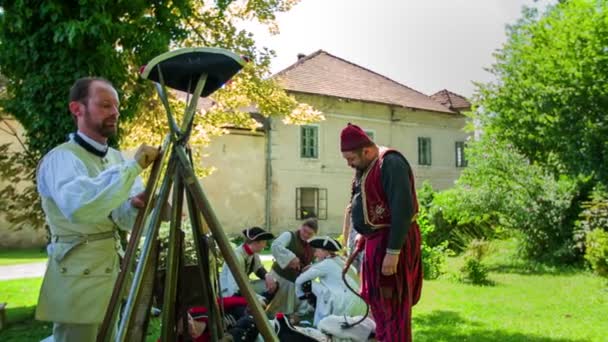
325, 242
257, 234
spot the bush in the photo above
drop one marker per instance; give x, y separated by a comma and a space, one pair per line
474, 271
501, 190
597, 251
434, 257
190, 256
461, 215
594, 216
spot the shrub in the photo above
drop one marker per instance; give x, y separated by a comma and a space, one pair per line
597, 251
594, 216
190, 256
433, 256
501, 190
474, 271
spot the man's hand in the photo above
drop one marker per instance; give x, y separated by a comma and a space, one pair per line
139, 201
271, 283
145, 155
294, 264
389, 264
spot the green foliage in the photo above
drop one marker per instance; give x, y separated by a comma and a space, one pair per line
550, 97
19, 197
88, 38
190, 257
474, 271
594, 216
47, 45
501, 189
434, 251
434, 257
189, 247
596, 252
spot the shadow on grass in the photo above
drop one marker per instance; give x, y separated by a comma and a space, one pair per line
20, 314
26, 331
28, 253
450, 326
23, 327
532, 268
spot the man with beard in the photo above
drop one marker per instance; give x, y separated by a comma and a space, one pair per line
88, 191
383, 211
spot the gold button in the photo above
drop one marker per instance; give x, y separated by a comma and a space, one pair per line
86, 271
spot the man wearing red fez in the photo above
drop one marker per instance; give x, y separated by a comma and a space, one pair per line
383, 211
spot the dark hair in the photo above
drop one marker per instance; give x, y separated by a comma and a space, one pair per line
80, 89
311, 223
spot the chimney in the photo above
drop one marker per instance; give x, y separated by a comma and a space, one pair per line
301, 55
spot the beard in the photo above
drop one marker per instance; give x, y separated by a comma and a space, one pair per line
106, 128
362, 167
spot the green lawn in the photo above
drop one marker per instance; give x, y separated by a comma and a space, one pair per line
21, 296
527, 303
22, 256
518, 308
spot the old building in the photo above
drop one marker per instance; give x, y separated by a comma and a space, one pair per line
285, 173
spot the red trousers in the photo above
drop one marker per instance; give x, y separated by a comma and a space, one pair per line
391, 297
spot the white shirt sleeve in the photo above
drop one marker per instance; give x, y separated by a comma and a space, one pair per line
227, 281
125, 215
83, 199
315, 271
279, 249
228, 284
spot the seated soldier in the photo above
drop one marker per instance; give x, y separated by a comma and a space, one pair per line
249, 262
332, 295
239, 324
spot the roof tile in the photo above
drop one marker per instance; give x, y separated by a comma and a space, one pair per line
325, 74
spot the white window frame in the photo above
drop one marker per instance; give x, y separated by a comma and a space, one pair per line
320, 205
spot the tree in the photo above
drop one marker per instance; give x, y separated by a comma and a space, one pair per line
46, 45
551, 93
500, 189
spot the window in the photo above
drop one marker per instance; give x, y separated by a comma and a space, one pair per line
461, 161
424, 151
311, 202
309, 142
370, 134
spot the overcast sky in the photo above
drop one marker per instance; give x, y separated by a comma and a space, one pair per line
428, 45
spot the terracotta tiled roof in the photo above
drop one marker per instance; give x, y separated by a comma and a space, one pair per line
451, 100
324, 74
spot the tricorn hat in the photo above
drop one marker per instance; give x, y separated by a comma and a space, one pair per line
257, 234
325, 242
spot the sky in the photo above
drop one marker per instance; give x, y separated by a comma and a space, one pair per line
428, 45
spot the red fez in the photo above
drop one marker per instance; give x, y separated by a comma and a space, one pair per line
353, 138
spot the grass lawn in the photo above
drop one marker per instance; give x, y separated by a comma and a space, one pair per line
21, 296
527, 303
22, 256
518, 308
